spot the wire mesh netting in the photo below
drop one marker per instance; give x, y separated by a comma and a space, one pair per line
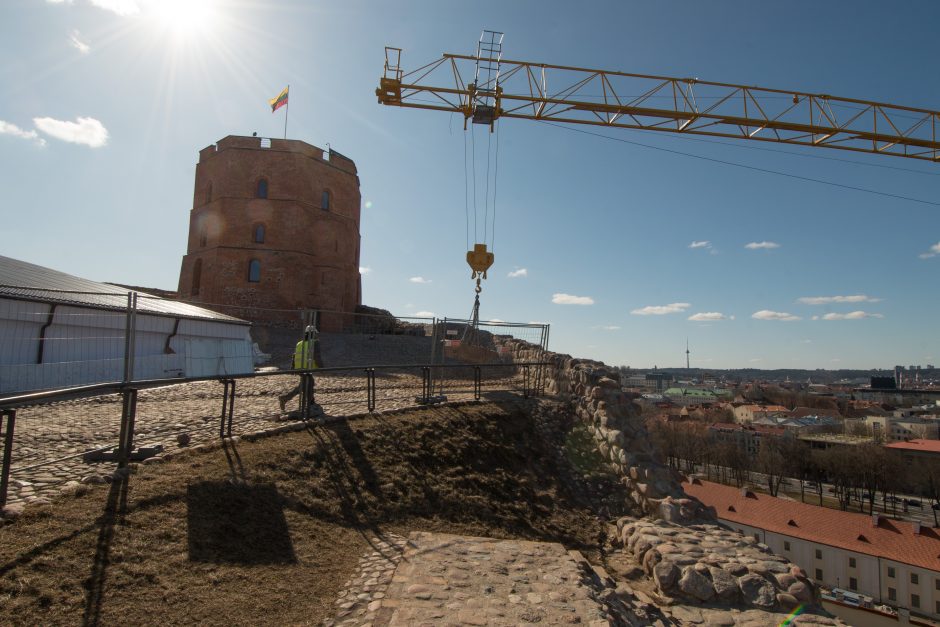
224, 375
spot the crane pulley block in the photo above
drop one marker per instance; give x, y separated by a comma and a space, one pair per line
480, 261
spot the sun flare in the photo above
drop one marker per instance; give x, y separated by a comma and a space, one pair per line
184, 18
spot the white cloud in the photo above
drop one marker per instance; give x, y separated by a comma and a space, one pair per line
87, 131
766, 314
707, 316
425, 314
59, 1
77, 43
825, 300
568, 299
420, 280
12, 129
661, 310
806, 341
933, 252
852, 315
365, 270
762, 245
835, 360
515, 274
756, 359
702, 244
610, 327
120, 7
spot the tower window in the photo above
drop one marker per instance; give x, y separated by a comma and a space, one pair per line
209, 193
254, 271
203, 237
325, 200
261, 191
259, 234
197, 277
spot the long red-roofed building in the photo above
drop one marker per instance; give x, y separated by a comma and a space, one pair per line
894, 562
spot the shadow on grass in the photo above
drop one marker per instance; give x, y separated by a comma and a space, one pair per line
114, 512
237, 523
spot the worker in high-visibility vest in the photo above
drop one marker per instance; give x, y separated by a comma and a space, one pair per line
306, 357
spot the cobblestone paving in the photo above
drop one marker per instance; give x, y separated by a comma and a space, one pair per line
50, 439
362, 596
445, 579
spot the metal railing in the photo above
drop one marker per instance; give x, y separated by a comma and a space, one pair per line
56, 436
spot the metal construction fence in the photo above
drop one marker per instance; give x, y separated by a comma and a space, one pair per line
89, 377
52, 339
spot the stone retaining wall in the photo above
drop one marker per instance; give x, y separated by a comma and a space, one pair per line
594, 393
708, 564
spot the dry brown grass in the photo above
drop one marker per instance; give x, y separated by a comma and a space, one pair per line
268, 532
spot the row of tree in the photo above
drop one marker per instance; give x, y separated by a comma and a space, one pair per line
859, 472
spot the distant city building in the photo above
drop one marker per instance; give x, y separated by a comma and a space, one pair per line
914, 450
884, 383
690, 396
751, 412
895, 429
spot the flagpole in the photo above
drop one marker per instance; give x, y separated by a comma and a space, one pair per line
286, 112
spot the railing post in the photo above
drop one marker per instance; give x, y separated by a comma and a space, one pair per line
476, 383
370, 389
426, 386
126, 437
10, 415
525, 381
307, 390
228, 407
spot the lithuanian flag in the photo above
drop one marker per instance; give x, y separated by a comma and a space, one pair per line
280, 101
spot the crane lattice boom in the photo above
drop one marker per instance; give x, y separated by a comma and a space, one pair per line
539, 91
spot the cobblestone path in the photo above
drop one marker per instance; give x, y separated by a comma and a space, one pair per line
443, 579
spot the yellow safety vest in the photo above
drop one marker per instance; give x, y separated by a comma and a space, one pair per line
303, 355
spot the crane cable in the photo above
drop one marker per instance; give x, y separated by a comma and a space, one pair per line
478, 257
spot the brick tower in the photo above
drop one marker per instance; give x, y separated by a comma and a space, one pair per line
274, 226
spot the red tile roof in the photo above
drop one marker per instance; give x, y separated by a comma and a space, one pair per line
924, 446
891, 539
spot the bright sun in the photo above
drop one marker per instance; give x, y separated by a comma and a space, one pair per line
184, 18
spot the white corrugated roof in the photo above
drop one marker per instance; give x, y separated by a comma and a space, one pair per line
20, 280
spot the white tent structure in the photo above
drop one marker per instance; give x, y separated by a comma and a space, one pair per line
58, 331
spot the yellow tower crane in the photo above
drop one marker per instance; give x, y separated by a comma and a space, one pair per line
486, 87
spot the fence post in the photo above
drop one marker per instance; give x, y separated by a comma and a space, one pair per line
476, 383
307, 391
228, 406
126, 437
130, 333
10, 415
370, 388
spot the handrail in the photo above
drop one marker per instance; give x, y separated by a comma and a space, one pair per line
72, 393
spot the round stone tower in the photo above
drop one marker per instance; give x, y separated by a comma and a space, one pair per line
274, 226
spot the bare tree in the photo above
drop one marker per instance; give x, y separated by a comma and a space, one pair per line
798, 462
771, 462
927, 473
869, 463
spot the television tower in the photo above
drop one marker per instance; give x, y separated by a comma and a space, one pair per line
687, 353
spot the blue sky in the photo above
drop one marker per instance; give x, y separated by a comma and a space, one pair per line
106, 104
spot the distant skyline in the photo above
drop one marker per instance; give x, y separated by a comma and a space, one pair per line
627, 243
